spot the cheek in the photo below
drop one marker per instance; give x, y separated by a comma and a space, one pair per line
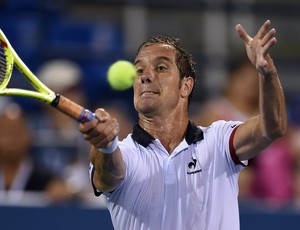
136, 85
172, 87
135, 102
135, 92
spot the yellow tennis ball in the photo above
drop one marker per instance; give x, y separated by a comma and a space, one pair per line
120, 75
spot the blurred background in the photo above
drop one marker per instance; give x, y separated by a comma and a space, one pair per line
69, 45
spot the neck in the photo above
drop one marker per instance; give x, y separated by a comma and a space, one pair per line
169, 131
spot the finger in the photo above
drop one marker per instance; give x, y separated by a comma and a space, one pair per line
108, 134
102, 115
260, 61
263, 29
97, 139
87, 126
269, 36
110, 128
243, 34
90, 135
97, 130
269, 45
104, 142
104, 131
266, 47
100, 141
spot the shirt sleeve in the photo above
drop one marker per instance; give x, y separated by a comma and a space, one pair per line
225, 131
91, 172
233, 155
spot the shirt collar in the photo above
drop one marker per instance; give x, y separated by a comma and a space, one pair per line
193, 135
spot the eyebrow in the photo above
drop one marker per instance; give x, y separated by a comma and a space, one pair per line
159, 58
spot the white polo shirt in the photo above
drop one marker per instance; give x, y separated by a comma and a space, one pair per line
195, 187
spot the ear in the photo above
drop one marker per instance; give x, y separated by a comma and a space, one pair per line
187, 84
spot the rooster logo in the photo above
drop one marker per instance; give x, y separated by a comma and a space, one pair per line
192, 167
192, 164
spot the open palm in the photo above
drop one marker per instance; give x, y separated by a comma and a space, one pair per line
258, 47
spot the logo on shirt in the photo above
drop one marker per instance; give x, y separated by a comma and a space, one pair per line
192, 165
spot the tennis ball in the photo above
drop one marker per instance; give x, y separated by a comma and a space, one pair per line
120, 75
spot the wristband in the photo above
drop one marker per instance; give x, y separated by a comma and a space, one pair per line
110, 149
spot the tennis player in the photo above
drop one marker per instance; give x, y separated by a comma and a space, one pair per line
170, 173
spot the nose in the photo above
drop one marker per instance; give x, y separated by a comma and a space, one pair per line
146, 77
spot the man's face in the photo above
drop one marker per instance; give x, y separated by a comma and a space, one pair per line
157, 85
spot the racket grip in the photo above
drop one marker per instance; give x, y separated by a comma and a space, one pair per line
72, 109
86, 115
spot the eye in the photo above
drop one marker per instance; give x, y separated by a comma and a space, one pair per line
139, 71
161, 68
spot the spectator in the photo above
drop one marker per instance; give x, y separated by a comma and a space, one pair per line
19, 173
60, 147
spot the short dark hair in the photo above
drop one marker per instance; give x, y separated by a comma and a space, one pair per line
184, 60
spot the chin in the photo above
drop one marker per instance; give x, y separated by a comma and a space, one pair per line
146, 110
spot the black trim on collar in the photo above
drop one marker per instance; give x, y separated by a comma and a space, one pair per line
141, 136
193, 134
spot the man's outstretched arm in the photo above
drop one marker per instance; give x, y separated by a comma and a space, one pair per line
258, 132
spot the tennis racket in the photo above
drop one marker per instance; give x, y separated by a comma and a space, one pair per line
8, 59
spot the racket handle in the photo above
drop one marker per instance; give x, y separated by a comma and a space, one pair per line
72, 109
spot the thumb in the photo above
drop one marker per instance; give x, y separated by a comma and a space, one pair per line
102, 115
243, 34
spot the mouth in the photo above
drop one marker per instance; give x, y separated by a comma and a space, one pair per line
146, 93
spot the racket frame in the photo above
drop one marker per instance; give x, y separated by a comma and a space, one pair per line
43, 93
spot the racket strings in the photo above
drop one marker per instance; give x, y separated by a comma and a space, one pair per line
3, 64
6, 62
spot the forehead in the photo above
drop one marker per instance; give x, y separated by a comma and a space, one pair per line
156, 51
